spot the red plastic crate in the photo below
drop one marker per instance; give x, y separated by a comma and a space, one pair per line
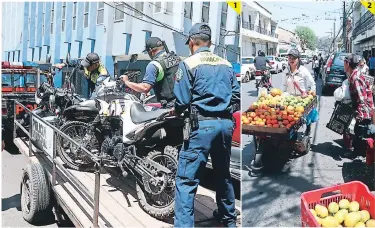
354, 190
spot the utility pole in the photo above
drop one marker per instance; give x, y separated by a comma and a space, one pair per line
334, 28
344, 27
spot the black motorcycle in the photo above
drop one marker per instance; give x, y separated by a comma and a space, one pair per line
58, 105
263, 79
148, 149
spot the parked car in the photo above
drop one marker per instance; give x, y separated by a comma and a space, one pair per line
237, 70
284, 62
333, 73
247, 68
276, 64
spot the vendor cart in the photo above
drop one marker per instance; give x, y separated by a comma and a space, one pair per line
275, 146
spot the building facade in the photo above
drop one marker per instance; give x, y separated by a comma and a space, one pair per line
363, 34
31, 30
259, 31
287, 40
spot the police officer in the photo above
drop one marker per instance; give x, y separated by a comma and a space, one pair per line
160, 73
261, 60
207, 86
94, 71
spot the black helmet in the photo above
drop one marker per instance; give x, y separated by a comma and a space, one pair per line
294, 52
261, 53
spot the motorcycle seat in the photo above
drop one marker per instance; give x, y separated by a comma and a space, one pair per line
138, 113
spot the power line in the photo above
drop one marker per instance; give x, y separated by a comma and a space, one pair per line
171, 28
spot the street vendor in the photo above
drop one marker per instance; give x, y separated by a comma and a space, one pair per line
362, 104
298, 80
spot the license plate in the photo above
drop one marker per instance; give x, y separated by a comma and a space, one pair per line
258, 77
335, 79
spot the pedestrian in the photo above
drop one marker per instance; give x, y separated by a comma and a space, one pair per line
298, 80
94, 71
362, 104
362, 67
207, 86
372, 65
321, 62
160, 73
316, 67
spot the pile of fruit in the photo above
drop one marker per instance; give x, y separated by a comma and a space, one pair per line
277, 109
341, 214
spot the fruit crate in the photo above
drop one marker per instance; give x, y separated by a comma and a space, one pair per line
351, 191
278, 132
341, 117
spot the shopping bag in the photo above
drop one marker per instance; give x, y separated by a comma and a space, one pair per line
312, 117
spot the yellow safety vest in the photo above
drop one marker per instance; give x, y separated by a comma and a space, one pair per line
94, 75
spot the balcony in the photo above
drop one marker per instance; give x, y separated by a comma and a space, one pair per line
366, 22
256, 28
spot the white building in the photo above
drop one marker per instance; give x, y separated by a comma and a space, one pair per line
259, 31
363, 34
287, 40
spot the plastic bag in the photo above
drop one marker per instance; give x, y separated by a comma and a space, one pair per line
342, 93
262, 90
312, 117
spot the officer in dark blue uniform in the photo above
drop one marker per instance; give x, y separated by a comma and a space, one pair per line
207, 86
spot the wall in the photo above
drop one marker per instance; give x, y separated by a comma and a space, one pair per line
109, 39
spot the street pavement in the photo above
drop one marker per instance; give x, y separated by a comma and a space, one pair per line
12, 165
275, 199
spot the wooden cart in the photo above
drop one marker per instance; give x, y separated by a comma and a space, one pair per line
274, 146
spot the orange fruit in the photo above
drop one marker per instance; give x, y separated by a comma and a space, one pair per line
245, 121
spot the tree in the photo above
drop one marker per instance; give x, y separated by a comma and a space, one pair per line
307, 37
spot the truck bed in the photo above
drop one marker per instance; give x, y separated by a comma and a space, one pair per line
118, 199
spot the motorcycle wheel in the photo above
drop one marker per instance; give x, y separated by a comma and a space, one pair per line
71, 159
154, 205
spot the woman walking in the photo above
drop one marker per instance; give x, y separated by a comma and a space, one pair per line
315, 66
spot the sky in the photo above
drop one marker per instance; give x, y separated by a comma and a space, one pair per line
315, 13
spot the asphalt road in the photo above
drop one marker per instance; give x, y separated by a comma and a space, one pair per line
275, 199
12, 165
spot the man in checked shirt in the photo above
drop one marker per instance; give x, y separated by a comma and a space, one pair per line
362, 104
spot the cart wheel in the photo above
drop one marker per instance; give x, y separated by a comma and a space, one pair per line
36, 201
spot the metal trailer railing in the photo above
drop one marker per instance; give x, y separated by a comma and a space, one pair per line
98, 161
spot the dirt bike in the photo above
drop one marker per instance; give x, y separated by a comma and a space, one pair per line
144, 143
263, 79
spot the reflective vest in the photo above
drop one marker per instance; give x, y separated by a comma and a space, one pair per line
167, 65
94, 75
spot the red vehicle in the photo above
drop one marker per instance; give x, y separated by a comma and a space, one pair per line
19, 82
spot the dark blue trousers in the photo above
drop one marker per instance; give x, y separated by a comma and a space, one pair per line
213, 137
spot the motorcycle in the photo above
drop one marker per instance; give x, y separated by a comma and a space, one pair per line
144, 143
58, 105
263, 79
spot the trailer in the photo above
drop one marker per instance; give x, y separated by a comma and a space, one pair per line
103, 198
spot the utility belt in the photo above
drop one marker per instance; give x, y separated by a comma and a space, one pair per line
191, 123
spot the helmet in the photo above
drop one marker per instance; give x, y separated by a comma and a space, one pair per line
261, 53
294, 52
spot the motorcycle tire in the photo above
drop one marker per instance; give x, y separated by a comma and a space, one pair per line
73, 164
146, 202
